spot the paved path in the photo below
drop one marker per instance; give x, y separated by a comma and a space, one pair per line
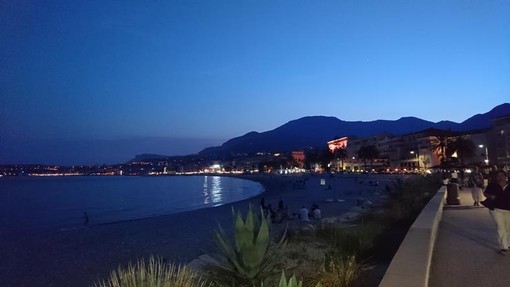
465, 251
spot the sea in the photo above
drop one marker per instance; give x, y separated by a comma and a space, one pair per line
70, 202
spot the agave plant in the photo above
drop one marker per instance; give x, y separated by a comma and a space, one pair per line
251, 258
293, 282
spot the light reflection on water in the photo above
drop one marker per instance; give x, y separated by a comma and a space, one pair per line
212, 194
29, 203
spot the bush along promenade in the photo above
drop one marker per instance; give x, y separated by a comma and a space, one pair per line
328, 254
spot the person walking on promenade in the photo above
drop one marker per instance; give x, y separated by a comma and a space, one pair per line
475, 183
454, 177
499, 192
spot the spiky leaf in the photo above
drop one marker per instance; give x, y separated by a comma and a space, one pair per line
262, 240
241, 234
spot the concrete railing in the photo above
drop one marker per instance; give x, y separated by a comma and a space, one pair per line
410, 266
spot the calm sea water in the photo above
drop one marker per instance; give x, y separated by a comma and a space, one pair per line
59, 203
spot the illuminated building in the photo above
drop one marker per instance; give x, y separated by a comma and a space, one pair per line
340, 143
299, 157
499, 143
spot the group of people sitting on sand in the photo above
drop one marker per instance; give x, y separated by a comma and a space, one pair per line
278, 215
305, 215
282, 212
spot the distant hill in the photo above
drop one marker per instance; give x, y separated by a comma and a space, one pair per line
146, 157
481, 121
315, 131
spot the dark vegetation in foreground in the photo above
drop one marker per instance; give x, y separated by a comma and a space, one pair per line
328, 255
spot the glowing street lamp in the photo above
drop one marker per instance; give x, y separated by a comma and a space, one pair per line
486, 154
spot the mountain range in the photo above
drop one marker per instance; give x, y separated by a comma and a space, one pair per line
315, 131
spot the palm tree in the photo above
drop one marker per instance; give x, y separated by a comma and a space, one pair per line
324, 158
463, 146
369, 152
311, 158
439, 144
341, 154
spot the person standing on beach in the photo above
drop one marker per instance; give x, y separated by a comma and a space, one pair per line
281, 205
499, 192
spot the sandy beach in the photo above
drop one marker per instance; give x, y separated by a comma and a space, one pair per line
80, 257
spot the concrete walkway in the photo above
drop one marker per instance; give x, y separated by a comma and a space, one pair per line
465, 250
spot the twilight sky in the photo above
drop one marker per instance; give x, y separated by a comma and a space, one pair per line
85, 82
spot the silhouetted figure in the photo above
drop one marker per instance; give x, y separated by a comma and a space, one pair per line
445, 180
314, 206
476, 184
281, 206
492, 174
271, 211
387, 188
285, 212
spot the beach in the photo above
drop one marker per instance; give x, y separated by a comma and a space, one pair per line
81, 256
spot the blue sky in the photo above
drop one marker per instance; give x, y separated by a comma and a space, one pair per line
173, 77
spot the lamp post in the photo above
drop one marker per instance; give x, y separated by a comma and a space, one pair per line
486, 154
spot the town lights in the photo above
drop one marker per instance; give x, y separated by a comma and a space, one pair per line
417, 159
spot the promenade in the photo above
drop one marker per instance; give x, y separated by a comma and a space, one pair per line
465, 250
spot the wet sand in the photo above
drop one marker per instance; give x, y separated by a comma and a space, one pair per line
80, 257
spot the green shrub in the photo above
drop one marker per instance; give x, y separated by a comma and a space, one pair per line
154, 274
411, 195
340, 271
351, 241
251, 258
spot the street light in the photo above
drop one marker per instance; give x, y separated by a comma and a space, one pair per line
417, 160
486, 154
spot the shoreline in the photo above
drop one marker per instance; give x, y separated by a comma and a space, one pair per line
82, 256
